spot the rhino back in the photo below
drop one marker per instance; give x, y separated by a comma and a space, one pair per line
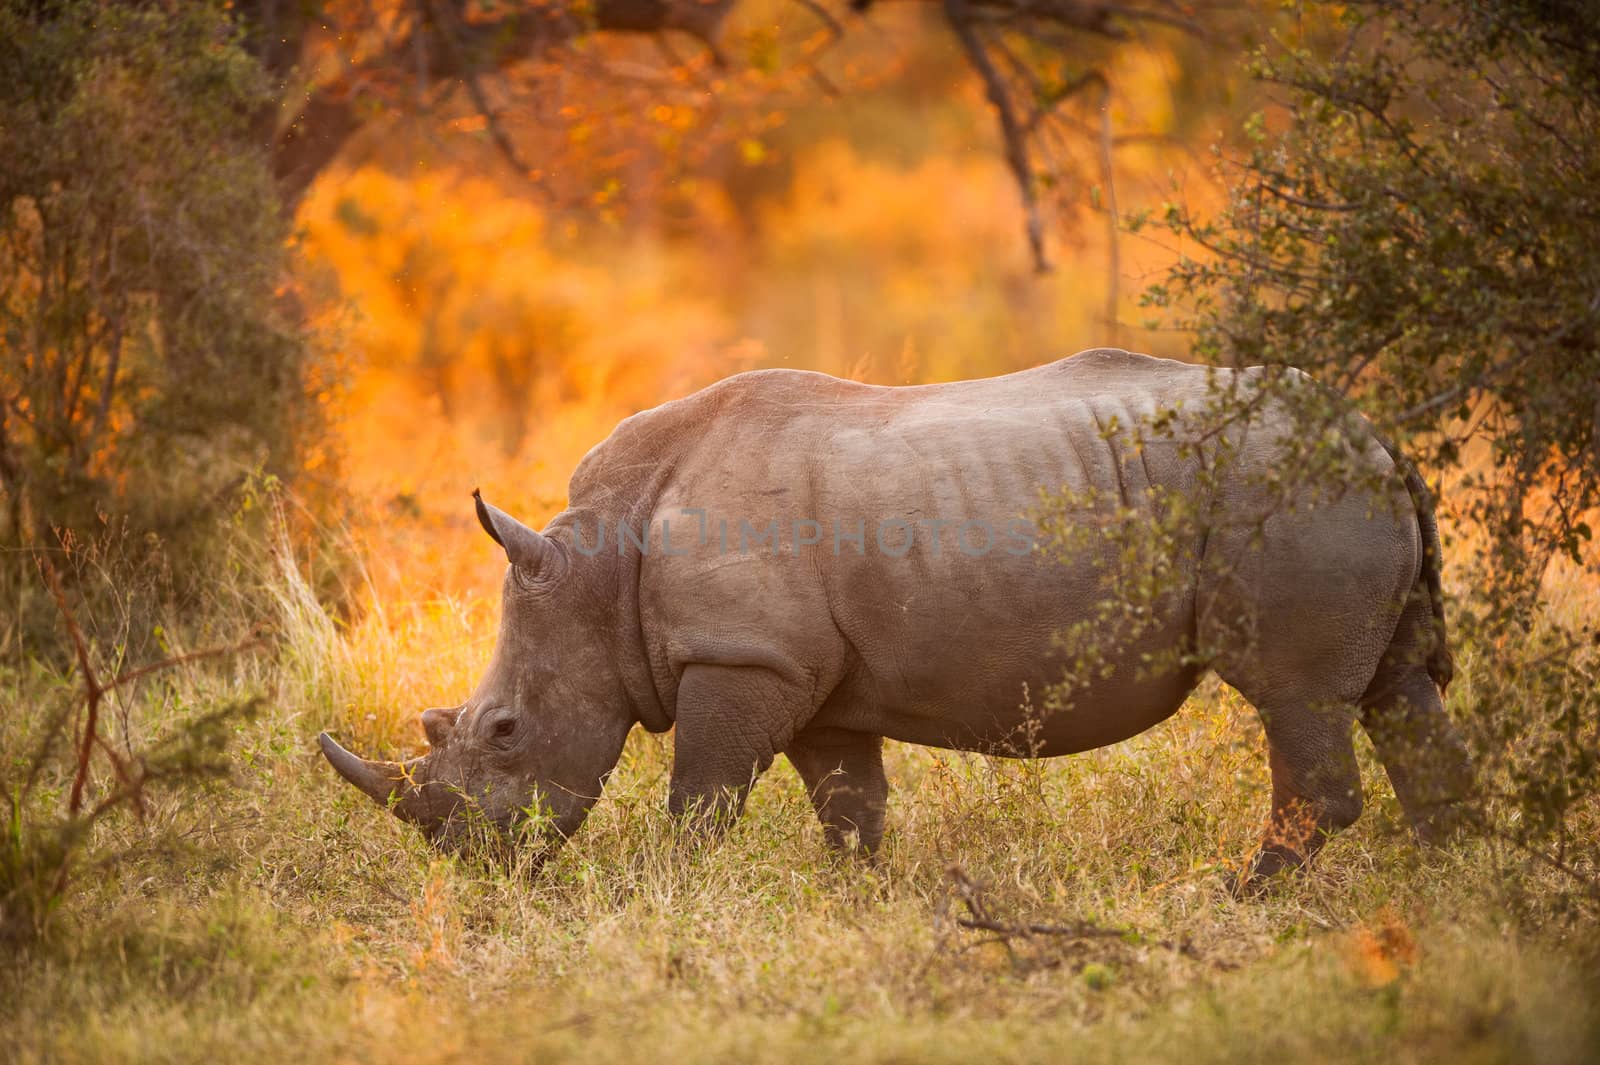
917, 638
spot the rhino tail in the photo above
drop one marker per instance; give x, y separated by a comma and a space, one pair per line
1440, 662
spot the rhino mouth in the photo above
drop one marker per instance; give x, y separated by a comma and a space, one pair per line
450, 820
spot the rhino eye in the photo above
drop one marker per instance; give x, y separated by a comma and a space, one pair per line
498, 730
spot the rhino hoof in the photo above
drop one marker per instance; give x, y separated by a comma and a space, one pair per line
1264, 869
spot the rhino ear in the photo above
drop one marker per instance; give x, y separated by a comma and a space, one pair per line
526, 548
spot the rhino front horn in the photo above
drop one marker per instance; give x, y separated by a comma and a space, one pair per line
527, 548
379, 780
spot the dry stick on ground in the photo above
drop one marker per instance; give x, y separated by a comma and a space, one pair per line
971, 894
1588, 882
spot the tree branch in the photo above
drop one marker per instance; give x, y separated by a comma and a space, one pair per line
959, 16
92, 688
95, 690
333, 111
102, 412
448, 30
1108, 177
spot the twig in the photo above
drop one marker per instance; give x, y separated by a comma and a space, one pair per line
1079, 930
102, 412
832, 34
1310, 205
1109, 178
1054, 100
677, 63
95, 690
248, 643
92, 688
1589, 883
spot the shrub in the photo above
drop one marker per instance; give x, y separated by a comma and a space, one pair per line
148, 363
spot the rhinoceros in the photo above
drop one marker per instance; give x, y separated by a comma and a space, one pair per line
789, 563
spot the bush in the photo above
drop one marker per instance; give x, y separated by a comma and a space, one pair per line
148, 364
1424, 238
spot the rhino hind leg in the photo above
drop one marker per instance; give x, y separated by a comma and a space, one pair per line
843, 774
1403, 714
1316, 784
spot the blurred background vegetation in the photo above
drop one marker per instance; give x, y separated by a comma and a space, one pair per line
280, 282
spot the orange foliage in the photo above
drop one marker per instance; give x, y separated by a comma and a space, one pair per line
1380, 952
491, 343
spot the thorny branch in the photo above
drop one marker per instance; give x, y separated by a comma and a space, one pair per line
95, 690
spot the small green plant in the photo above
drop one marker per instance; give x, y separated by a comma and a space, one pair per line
1098, 977
47, 833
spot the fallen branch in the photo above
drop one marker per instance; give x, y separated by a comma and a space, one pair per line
1079, 930
1587, 882
981, 919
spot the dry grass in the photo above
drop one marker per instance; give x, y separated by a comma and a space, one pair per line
282, 917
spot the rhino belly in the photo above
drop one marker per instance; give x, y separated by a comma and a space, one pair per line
972, 662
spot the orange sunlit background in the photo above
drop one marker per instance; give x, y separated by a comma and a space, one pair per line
491, 339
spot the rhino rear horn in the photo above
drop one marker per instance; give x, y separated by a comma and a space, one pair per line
381, 781
526, 548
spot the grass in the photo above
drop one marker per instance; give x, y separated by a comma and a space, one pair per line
283, 917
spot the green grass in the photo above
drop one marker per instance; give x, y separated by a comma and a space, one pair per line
281, 916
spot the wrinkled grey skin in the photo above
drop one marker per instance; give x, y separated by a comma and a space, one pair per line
820, 656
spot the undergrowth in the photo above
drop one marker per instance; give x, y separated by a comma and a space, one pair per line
281, 916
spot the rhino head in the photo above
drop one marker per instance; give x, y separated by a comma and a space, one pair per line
531, 749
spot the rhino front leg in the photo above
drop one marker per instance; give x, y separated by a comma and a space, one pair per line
732, 721
843, 773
